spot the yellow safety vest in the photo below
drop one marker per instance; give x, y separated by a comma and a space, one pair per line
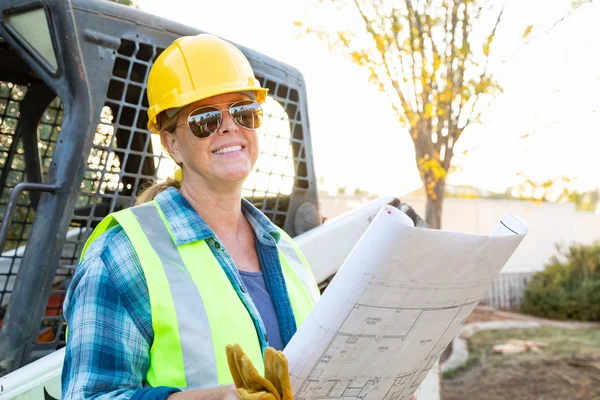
196, 311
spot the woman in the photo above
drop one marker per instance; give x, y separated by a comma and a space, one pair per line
164, 287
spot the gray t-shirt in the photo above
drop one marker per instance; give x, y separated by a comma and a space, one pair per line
257, 288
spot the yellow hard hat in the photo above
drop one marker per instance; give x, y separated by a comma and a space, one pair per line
193, 68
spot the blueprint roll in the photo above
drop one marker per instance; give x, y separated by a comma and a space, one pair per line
510, 225
400, 297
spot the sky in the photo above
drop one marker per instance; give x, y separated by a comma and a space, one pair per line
551, 93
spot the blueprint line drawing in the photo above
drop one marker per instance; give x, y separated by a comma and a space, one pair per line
397, 302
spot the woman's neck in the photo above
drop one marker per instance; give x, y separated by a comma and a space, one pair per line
220, 207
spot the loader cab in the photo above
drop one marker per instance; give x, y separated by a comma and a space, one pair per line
74, 147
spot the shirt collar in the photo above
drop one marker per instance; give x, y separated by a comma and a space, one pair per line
188, 226
266, 232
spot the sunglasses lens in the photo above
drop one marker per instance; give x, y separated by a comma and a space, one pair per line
247, 113
204, 122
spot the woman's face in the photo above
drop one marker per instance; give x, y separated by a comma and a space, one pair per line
227, 156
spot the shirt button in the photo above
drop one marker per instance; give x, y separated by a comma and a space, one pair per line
243, 289
266, 337
217, 245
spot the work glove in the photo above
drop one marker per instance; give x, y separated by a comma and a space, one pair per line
275, 385
277, 372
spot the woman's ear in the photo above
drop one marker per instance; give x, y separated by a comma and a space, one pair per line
171, 145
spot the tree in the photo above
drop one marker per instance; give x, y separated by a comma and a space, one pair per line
421, 54
542, 190
431, 58
586, 201
554, 189
361, 192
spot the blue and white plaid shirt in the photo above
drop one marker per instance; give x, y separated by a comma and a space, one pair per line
108, 311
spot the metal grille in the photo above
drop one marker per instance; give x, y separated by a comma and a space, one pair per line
122, 160
13, 172
282, 162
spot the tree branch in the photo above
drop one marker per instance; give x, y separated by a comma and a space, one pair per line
400, 49
425, 88
478, 90
411, 40
394, 82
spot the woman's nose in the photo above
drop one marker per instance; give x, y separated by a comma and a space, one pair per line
227, 124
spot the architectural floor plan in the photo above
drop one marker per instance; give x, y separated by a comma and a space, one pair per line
400, 298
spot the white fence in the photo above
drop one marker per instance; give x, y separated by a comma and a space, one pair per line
508, 290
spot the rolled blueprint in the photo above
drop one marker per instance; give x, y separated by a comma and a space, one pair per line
399, 299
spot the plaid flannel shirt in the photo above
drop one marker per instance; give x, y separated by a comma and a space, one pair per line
107, 307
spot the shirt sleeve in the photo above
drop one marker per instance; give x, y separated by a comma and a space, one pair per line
107, 354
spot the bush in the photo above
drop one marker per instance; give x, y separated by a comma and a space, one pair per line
569, 286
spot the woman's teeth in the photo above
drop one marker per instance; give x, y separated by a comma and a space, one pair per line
228, 149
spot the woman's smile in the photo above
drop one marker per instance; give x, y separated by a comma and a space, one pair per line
228, 150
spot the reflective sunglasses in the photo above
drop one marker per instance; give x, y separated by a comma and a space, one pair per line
203, 122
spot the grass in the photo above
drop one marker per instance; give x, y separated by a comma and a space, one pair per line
474, 359
561, 343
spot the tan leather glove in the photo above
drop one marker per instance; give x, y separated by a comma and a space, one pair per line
249, 383
249, 395
277, 372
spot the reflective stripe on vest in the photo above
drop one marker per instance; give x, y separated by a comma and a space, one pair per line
196, 311
295, 258
195, 337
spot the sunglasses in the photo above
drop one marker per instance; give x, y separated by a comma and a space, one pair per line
203, 122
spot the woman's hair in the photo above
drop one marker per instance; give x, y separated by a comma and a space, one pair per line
149, 193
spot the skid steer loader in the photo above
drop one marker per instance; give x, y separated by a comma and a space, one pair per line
74, 147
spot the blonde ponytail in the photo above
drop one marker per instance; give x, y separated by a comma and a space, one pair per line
151, 192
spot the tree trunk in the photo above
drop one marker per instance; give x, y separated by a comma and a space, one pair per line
433, 210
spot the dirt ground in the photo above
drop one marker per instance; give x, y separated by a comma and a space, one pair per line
479, 314
534, 380
549, 375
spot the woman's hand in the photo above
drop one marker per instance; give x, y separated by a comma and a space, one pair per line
223, 392
230, 393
